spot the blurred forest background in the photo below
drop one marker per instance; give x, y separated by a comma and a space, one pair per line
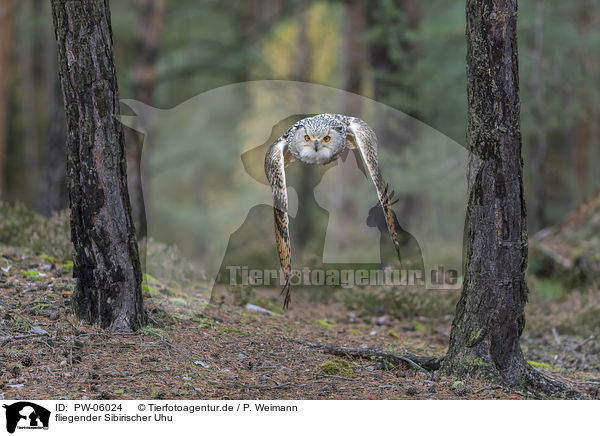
407, 54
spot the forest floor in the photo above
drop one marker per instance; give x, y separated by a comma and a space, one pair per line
196, 350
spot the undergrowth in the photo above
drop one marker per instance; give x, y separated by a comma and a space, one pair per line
21, 227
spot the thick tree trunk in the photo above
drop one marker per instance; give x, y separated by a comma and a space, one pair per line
6, 25
490, 318
107, 265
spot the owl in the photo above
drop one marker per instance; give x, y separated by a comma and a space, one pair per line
320, 140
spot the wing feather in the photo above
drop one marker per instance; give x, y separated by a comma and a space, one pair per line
364, 139
276, 159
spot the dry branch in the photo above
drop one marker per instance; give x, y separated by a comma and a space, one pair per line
417, 362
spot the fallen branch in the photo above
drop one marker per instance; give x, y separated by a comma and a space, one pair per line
6, 339
581, 344
417, 362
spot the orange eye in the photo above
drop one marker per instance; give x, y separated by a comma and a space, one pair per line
327, 138
306, 138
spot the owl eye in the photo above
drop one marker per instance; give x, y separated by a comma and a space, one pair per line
306, 138
327, 138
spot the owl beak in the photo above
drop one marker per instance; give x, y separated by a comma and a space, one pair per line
316, 145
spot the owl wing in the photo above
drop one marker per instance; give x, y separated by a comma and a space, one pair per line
362, 137
277, 158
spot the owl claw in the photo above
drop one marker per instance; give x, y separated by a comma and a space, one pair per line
287, 299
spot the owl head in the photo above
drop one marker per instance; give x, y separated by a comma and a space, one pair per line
318, 140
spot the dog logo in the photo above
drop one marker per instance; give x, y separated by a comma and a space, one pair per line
26, 415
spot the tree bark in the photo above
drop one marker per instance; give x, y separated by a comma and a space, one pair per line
6, 33
484, 339
106, 261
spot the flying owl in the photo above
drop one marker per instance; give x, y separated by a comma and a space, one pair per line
320, 140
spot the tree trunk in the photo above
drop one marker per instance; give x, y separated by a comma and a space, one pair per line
355, 54
539, 139
6, 33
484, 340
584, 128
53, 187
29, 88
53, 190
151, 17
301, 72
107, 265
393, 57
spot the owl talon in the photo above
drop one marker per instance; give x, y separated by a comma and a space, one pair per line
288, 298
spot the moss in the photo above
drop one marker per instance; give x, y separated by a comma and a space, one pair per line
177, 301
40, 307
418, 327
32, 274
148, 278
147, 331
21, 324
14, 353
237, 331
323, 323
475, 337
67, 265
48, 258
335, 367
539, 365
272, 305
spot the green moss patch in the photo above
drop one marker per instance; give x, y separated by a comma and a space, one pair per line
335, 367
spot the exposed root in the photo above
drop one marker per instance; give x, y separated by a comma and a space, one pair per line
520, 378
419, 363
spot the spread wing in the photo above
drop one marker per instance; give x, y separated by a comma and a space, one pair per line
276, 159
362, 137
